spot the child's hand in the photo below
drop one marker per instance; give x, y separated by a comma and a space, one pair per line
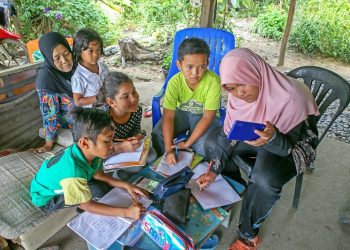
182, 145
136, 192
139, 136
170, 158
135, 211
204, 180
130, 145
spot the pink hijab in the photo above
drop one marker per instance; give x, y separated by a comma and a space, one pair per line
283, 101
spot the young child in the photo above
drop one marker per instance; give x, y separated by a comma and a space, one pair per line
90, 73
191, 101
75, 176
126, 113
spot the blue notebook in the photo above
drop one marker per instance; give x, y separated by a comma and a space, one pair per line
244, 131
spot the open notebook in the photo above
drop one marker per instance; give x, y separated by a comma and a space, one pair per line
99, 230
128, 159
212, 196
185, 159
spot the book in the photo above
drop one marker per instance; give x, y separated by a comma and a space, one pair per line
146, 184
101, 231
128, 159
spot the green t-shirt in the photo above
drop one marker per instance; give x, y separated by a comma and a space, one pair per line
205, 97
66, 173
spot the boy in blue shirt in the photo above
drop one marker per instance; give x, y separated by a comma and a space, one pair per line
75, 176
191, 101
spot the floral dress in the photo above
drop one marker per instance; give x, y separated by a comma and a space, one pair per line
55, 109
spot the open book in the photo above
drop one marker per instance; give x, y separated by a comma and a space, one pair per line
99, 230
128, 159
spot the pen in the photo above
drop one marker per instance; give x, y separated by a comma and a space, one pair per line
176, 153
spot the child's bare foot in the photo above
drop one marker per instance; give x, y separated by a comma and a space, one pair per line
45, 148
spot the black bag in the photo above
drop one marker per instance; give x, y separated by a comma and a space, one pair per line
172, 184
176, 206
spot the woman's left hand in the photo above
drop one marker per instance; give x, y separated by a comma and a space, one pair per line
265, 135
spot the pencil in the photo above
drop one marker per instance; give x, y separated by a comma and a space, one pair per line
176, 153
122, 140
135, 201
209, 166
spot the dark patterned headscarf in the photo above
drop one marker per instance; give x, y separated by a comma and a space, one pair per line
50, 78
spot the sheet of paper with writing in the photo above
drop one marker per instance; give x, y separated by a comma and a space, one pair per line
212, 196
99, 230
185, 159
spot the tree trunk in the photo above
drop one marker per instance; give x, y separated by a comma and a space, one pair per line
284, 41
207, 13
131, 50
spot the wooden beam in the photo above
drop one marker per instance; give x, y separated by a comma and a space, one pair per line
284, 41
207, 13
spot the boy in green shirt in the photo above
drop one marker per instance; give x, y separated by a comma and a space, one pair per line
75, 176
191, 101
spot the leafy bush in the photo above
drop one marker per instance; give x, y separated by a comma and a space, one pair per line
324, 27
271, 24
65, 16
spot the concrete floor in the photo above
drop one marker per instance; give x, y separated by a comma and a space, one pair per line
315, 225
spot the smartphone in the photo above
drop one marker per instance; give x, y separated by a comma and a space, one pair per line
181, 137
244, 131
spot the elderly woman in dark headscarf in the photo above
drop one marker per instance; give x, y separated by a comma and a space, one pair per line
53, 86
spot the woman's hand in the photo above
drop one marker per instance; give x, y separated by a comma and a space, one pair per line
265, 135
204, 180
170, 158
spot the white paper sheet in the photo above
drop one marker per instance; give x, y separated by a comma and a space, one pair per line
99, 230
202, 168
219, 193
125, 157
185, 159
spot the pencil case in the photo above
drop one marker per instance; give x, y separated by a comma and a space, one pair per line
164, 233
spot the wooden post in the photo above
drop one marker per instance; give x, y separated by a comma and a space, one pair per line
284, 41
207, 13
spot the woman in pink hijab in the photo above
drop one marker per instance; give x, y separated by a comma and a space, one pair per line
258, 93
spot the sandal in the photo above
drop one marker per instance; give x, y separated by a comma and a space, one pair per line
241, 244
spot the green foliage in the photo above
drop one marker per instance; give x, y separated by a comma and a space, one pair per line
252, 8
65, 16
161, 18
324, 27
271, 24
166, 62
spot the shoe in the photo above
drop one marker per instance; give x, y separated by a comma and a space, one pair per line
241, 244
147, 112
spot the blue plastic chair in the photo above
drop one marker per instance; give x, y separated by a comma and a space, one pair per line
220, 42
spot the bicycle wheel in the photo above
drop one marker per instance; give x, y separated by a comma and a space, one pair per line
12, 53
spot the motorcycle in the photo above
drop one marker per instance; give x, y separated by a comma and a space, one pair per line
13, 52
